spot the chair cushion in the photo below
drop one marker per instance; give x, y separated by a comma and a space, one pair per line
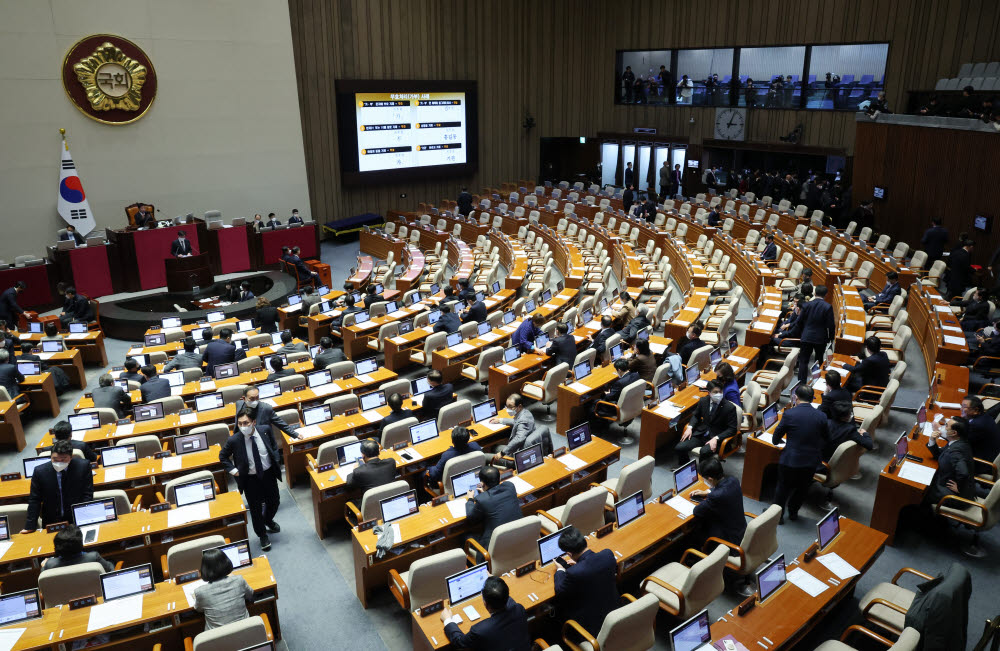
548, 526
893, 594
533, 391
969, 512
470, 372
674, 574
834, 645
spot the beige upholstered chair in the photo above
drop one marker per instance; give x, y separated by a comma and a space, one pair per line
584, 511
424, 582
636, 476
63, 584
909, 640
186, 556
684, 590
369, 509
243, 634
629, 628
512, 545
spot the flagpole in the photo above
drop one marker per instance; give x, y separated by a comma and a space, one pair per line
62, 132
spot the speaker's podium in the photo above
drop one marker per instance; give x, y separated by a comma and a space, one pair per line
184, 274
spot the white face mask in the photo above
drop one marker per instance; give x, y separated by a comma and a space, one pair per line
716, 398
59, 466
252, 403
246, 429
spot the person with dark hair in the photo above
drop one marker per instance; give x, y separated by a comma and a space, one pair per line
349, 308
9, 309
262, 413
842, 429
506, 627
692, 343
372, 295
207, 334
372, 471
628, 197
720, 511
960, 268
51, 331
464, 202
449, 321
278, 369
983, 432
889, 292
58, 485
108, 396
834, 393
475, 312
76, 308
252, 456
956, 467
643, 362
441, 393
68, 547
224, 596
221, 351
465, 290
295, 219
265, 316
934, 240
327, 354
600, 337
181, 247
807, 432
586, 586
629, 175
301, 269
460, 444
626, 376
155, 387
726, 377
272, 221
72, 234
131, 372
61, 431
871, 371
449, 295
526, 334
814, 329
770, 252
10, 377
289, 345
496, 504
562, 348
309, 298
712, 421
190, 358
396, 413
977, 311
523, 433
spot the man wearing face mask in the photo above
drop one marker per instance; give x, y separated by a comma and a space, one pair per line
714, 419
58, 485
720, 508
252, 457
262, 413
294, 219
181, 248
954, 475
807, 432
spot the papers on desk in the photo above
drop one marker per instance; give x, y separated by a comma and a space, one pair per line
579, 387
344, 472
4, 546
682, 505
550, 306
819, 385
399, 341
836, 369
572, 462
207, 386
371, 416
806, 582
738, 359
509, 328
274, 347
78, 435
838, 566
367, 379
309, 430
77, 335
657, 349
768, 438
668, 409
771, 313
507, 368
957, 341
397, 537
928, 429
177, 391
185, 514
916, 473
294, 308
46, 356
461, 348
114, 474
326, 389
493, 427
124, 430
457, 507
169, 464
426, 330
851, 337
950, 328
367, 325
398, 314
855, 323
701, 384
942, 308
490, 337
115, 612
520, 485
949, 405
9, 637
190, 587
187, 419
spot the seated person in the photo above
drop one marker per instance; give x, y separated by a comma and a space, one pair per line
714, 219
692, 344
726, 377
842, 428
586, 586
372, 471
349, 308
440, 394
984, 434
713, 420
505, 628
327, 354
75, 308
10, 377
449, 321
221, 351
61, 431
475, 311
59, 377
240, 293
372, 296
303, 270
600, 338
144, 218
309, 298
72, 234
954, 475
109, 396
770, 252
873, 370
224, 596
719, 511
68, 545
397, 413
465, 290
834, 393
644, 362
522, 429
526, 334
496, 504
258, 226
627, 310
154, 387
272, 221
295, 219
563, 347
449, 295
190, 358
614, 391
289, 346
977, 311
460, 444
889, 292
787, 324
131, 372
640, 322
278, 370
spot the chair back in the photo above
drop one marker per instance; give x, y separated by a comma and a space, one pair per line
513, 544
701, 357
122, 503
106, 414
17, 516
426, 577
585, 511
371, 498
289, 382
457, 413
340, 404
61, 585
145, 446
459, 464
844, 464
631, 401
760, 540
168, 488
216, 433
550, 383
171, 404
242, 634
704, 582
186, 556
751, 401
636, 476
326, 452
631, 627
397, 432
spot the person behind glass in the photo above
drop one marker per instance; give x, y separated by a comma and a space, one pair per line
71, 234
10, 377
252, 456
713, 421
9, 309
871, 371
440, 394
505, 628
449, 321
726, 377
770, 252
956, 466
460, 444
295, 219
526, 334
58, 485
889, 292
586, 586
181, 247
628, 79
842, 429
834, 393
224, 597
68, 548
76, 308
977, 311
272, 221
62, 431
807, 432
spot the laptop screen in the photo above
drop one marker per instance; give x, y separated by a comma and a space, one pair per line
922, 415
546, 296
692, 634
406, 327
237, 552
315, 350
175, 379
244, 325
4, 528
902, 447
616, 351
193, 492
577, 436
319, 378
94, 512
19, 606
467, 584
400, 506
361, 317
464, 482
35, 327
29, 368
433, 316
33, 462
581, 370
511, 354
541, 341
496, 286
124, 583
733, 344
692, 374
348, 453
508, 317
390, 307
528, 458
276, 338
118, 455
77, 328
454, 339
483, 328
664, 391
50, 346
715, 357
141, 360
685, 476
529, 307
770, 416
365, 366
148, 412
770, 578
191, 443
480, 296
80, 422
424, 431
587, 317
208, 401
548, 547
215, 317
155, 340
629, 509
484, 411
316, 415
372, 400
223, 371
269, 389
828, 528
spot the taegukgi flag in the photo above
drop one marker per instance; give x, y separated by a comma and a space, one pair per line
73, 205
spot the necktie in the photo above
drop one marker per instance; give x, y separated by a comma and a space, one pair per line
711, 411
62, 506
258, 466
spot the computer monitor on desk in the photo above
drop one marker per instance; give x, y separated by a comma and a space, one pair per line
191, 443
348, 453
364, 366
828, 528
548, 547
54, 346
692, 374
467, 583
578, 436
664, 391
148, 412
692, 635
19, 606
464, 482
94, 512
424, 431
770, 415
118, 455
528, 458
770, 578
82, 422
581, 370
194, 492
125, 583
237, 552
629, 509
229, 369
685, 476
510, 354
484, 411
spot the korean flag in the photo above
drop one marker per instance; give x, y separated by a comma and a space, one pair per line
73, 205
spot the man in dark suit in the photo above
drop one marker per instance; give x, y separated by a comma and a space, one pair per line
873, 370
372, 471
72, 234
460, 444
842, 429
272, 221
476, 311
648, 210
251, 455
807, 432
834, 393
692, 344
600, 337
58, 485
889, 292
239, 293
563, 347
278, 369
628, 197
960, 268
934, 240
75, 308
586, 586
189, 358
295, 219
640, 322
289, 345
496, 504
713, 218
464, 202
713, 420
675, 180
770, 252
349, 308
304, 271
984, 435
155, 387
506, 627
262, 413
131, 372
439, 395
181, 247
956, 468
629, 175
108, 396
221, 351
465, 290
61, 431
448, 321
396, 413
720, 509
144, 218
327, 354
814, 329
10, 377
614, 392
9, 309
372, 295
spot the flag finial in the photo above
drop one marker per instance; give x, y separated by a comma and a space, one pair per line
62, 132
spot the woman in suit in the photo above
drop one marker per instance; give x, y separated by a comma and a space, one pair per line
266, 319
223, 599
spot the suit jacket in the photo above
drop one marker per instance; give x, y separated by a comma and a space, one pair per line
327, 357
521, 427
271, 223
629, 177
722, 423
436, 398
873, 370
292, 347
525, 335
266, 319
54, 562
959, 270
9, 309
233, 455
179, 248
494, 507
502, 631
770, 252
77, 487
295, 219
476, 312
563, 349
689, 347
78, 307
9, 379
376, 472
395, 417
954, 463
940, 611
645, 366
437, 471
448, 323
464, 203
616, 388
815, 324
601, 338
934, 241
588, 590
633, 328
218, 351
265, 417
721, 512
837, 395
807, 432
184, 360
75, 236
154, 389
889, 292
841, 432
984, 437
277, 375
113, 398
87, 452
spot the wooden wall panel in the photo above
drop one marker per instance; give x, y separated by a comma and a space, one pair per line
555, 60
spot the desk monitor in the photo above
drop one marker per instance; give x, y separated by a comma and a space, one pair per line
361, 317
118, 455
828, 528
77, 328
325, 307
193, 492
685, 476
603, 305
372, 400
629, 509
267, 361
816, 371
528, 458
191, 443
714, 357
692, 374
541, 341
148, 412
125, 583
529, 306
496, 286
4, 528
483, 328
587, 317
123, 385
19, 606
902, 447
276, 338
238, 553
365, 366
35, 327
546, 296
357, 297
433, 316
141, 360
81, 422
315, 350
559, 286
508, 317
174, 379
664, 391
770, 578
348, 453
405, 327
464, 482
315, 415
467, 583
208, 402
510, 354
244, 325
770, 416
229, 369
157, 339
548, 547
480, 296
33, 462
56, 346
616, 351
322, 290
95, 512
379, 288
400, 506
295, 299
484, 411
424, 431
198, 334
581, 370
391, 307
415, 298
453, 339
215, 317
642, 335
922, 415
269, 389
241, 344
733, 344
692, 635
319, 378
578, 436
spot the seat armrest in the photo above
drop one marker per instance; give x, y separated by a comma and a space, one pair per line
188, 644
868, 390
614, 495
572, 626
470, 545
690, 551
267, 626
352, 514
961, 502
310, 460
551, 518
137, 504
613, 406
989, 466
856, 628
735, 548
159, 496
163, 565
120, 564
399, 589
878, 601
910, 570
666, 586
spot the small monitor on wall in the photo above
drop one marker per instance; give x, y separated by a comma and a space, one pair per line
878, 192
983, 223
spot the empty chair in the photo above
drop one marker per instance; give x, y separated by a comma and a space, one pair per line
17, 516
629, 628
480, 370
909, 640
398, 432
843, 464
171, 404
980, 513
145, 446
584, 511
122, 503
244, 634
682, 590
424, 582
455, 414
369, 509
547, 390
512, 545
636, 476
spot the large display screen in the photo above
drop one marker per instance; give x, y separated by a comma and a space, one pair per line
406, 130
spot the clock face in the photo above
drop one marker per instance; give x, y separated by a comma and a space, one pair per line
730, 123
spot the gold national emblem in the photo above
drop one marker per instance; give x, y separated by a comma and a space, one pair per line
111, 79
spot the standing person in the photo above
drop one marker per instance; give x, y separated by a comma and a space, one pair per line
224, 596
960, 268
181, 247
563, 347
814, 329
664, 181
628, 198
750, 94
9, 309
58, 485
252, 457
464, 202
628, 80
711, 180
586, 588
675, 180
685, 88
807, 433
505, 629
629, 175
666, 84
934, 240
